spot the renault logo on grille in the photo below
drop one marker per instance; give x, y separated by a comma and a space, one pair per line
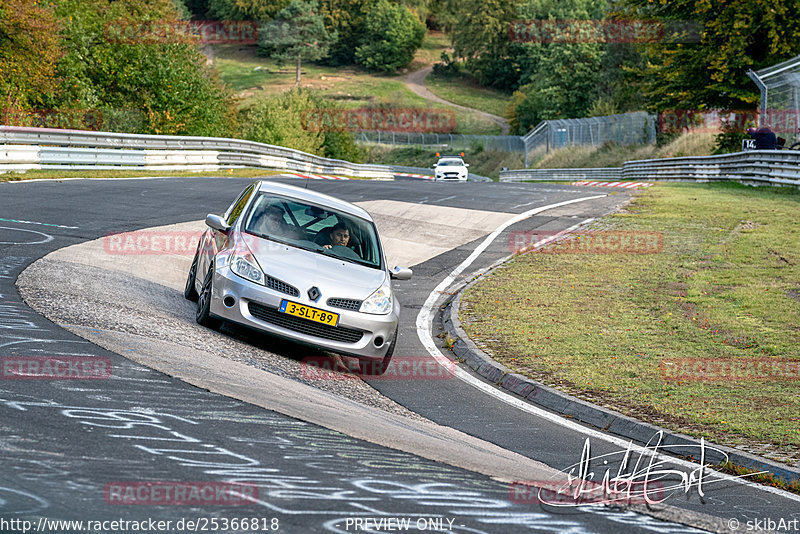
314, 293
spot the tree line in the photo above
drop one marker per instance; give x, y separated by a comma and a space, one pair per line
696, 60
57, 55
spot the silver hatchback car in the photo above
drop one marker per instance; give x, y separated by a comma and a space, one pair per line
300, 265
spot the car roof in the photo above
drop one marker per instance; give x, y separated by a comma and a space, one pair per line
313, 197
457, 158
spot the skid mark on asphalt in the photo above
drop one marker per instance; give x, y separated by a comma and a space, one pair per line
370, 481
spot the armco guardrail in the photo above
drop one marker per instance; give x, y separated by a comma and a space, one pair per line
754, 167
23, 149
524, 175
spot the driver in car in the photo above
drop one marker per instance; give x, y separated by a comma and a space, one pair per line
339, 236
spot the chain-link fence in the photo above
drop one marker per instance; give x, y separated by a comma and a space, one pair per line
626, 129
780, 98
445, 142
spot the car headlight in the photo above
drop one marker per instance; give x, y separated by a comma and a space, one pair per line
245, 265
379, 303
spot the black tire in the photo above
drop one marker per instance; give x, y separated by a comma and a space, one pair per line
189, 292
373, 368
795, 146
203, 314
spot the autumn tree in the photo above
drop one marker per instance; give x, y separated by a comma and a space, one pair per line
160, 80
29, 52
711, 70
346, 18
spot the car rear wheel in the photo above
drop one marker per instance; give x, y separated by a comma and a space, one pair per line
189, 292
203, 314
373, 368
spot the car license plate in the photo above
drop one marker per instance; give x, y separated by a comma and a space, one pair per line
307, 312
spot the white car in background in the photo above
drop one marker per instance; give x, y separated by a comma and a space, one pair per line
451, 168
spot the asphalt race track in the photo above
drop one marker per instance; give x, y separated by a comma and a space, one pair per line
67, 444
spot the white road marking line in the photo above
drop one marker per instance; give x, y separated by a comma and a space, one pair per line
46, 237
526, 204
39, 223
424, 327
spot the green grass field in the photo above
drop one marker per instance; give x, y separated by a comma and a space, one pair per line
252, 77
610, 327
464, 91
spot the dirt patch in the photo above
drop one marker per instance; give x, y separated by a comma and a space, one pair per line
777, 255
746, 225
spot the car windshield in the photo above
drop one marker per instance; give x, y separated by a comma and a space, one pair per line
451, 163
311, 227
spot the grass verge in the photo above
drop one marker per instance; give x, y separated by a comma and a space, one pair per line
726, 286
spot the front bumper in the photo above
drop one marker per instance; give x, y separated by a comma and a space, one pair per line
377, 330
450, 177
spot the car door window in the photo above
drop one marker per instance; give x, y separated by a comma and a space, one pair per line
236, 208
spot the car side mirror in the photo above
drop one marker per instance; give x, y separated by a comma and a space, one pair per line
400, 273
466, 165
435, 165
217, 223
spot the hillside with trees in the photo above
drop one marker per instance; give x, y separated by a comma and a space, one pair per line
107, 57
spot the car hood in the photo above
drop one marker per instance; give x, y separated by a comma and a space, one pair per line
304, 269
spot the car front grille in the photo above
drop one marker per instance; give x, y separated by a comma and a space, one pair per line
345, 304
283, 287
304, 326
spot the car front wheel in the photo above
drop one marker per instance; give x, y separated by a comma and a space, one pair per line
189, 292
203, 314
